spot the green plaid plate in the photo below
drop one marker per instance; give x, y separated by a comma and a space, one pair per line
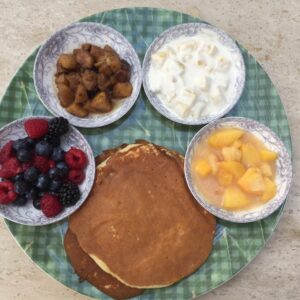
235, 245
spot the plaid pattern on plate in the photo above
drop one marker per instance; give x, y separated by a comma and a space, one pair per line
235, 245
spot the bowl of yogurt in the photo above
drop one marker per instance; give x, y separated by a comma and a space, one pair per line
193, 73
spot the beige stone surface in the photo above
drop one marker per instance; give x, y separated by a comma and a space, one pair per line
271, 32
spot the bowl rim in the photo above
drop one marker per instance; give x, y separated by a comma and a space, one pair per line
228, 215
91, 163
76, 120
204, 119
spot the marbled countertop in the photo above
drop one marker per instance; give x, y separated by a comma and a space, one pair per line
270, 30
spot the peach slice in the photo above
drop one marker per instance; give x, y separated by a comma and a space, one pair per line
224, 177
203, 168
268, 155
233, 167
270, 190
224, 137
231, 153
252, 181
235, 199
250, 155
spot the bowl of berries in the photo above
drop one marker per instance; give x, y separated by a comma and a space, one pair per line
47, 170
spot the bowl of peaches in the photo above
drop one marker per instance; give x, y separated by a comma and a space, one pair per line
88, 73
238, 169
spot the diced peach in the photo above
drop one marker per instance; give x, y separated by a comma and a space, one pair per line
224, 137
237, 144
252, 181
250, 155
235, 199
203, 168
268, 155
266, 169
224, 177
270, 190
231, 153
233, 167
214, 163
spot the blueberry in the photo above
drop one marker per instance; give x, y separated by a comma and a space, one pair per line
37, 203
31, 174
43, 182
18, 144
20, 201
29, 143
55, 186
54, 173
43, 148
63, 168
24, 155
58, 154
33, 194
18, 177
21, 187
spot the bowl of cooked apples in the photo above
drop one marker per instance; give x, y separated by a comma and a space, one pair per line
238, 169
88, 73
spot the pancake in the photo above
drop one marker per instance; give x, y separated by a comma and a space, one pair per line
141, 224
88, 270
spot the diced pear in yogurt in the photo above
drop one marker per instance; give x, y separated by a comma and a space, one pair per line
187, 97
181, 109
204, 82
198, 107
216, 95
211, 49
159, 58
223, 64
174, 67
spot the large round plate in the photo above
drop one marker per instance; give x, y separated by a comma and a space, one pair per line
235, 245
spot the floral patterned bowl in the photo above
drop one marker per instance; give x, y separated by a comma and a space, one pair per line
283, 176
64, 41
27, 214
191, 29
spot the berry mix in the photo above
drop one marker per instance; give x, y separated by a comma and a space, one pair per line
37, 169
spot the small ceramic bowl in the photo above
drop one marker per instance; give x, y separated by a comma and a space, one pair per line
283, 176
65, 41
27, 214
187, 30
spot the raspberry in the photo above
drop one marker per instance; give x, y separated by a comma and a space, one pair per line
41, 163
36, 128
26, 165
10, 168
76, 159
7, 194
50, 205
69, 194
76, 176
6, 152
52, 164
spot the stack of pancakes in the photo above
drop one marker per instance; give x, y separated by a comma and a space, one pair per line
140, 227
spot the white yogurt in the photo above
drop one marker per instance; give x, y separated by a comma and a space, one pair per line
194, 76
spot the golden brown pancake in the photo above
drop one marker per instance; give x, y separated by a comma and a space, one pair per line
141, 224
88, 270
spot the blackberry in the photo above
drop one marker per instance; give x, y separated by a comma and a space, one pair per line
69, 194
58, 126
52, 139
